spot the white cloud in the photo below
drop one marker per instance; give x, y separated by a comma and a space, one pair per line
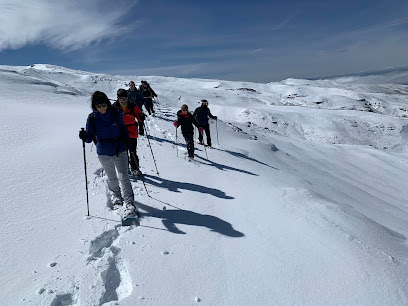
64, 25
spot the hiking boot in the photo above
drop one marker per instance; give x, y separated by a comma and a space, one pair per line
117, 201
137, 172
131, 210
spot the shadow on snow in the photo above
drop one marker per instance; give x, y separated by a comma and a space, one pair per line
174, 186
179, 216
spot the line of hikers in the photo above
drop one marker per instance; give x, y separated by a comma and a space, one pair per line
114, 128
200, 119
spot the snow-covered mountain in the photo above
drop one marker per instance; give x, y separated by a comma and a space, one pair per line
301, 201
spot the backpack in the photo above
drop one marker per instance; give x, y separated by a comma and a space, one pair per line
92, 121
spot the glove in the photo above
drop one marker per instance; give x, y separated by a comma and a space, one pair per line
215, 117
175, 123
200, 129
83, 135
142, 117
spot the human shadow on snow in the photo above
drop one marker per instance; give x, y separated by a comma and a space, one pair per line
212, 163
175, 186
179, 216
165, 119
166, 140
221, 166
243, 156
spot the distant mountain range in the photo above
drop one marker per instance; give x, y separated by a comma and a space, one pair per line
397, 75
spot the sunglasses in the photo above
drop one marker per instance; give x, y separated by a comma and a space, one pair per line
184, 110
101, 105
122, 98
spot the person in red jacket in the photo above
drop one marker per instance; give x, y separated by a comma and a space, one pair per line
132, 116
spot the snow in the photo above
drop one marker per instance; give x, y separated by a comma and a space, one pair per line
301, 201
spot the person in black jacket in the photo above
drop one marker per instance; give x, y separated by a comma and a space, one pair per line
148, 94
135, 96
186, 121
202, 113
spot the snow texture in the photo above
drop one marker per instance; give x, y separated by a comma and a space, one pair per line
302, 200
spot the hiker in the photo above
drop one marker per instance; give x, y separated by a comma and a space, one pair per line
202, 113
133, 117
186, 121
136, 97
106, 127
148, 94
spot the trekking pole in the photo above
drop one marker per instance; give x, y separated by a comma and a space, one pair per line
144, 184
134, 159
86, 176
148, 140
148, 194
176, 143
205, 150
196, 133
216, 127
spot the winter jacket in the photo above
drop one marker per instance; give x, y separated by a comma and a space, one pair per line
186, 123
135, 96
202, 113
147, 92
109, 130
130, 115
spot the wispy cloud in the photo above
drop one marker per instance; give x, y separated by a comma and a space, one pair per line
390, 24
65, 25
184, 70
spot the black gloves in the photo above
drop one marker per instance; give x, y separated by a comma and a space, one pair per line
215, 117
142, 117
83, 135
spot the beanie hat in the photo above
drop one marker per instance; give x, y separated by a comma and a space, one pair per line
122, 93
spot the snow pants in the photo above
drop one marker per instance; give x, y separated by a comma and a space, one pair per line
189, 138
149, 105
116, 168
133, 158
206, 128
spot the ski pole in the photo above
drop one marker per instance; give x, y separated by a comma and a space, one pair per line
148, 140
86, 176
205, 150
144, 184
216, 127
176, 143
135, 161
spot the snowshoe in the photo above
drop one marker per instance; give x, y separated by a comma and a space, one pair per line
117, 201
117, 205
137, 172
131, 215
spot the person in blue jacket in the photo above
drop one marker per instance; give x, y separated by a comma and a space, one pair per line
106, 127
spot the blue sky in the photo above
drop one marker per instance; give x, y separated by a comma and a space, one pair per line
258, 41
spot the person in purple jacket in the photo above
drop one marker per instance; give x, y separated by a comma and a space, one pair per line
105, 126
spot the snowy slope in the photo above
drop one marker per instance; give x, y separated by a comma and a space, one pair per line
302, 200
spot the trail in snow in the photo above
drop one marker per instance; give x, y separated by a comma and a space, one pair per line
287, 209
